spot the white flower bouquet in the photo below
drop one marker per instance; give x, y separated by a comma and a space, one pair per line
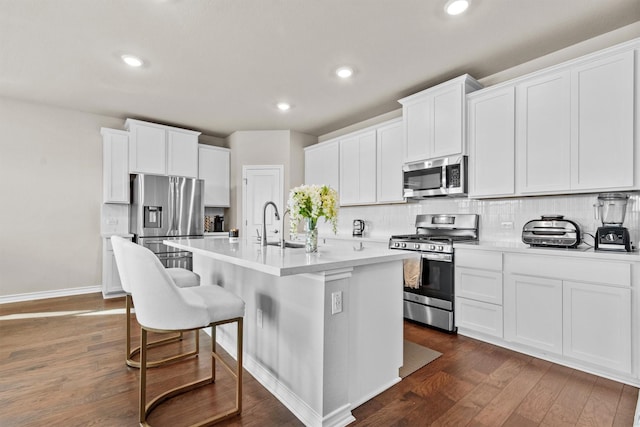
311, 202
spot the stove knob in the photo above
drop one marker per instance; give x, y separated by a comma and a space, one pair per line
396, 245
440, 248
432, 247
417, 246
404, 245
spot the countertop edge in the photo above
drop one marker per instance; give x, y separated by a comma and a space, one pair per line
517, 247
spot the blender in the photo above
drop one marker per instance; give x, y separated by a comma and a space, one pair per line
612, 236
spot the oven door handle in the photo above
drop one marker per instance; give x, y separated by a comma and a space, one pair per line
434, 256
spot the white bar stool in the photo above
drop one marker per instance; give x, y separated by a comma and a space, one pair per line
161, 306
183, 278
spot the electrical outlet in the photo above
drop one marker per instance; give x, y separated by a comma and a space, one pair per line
506, 225
259, 318
336, 302
112, 221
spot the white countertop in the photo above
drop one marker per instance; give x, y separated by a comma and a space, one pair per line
582, 251
275, 261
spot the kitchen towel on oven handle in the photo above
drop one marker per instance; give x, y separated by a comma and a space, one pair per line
412, 272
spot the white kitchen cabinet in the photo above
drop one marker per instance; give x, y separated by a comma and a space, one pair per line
182, 153
478, 283
533, 312
390, 160
322, 164
434, 120
111, 285
602, 109
491, 133
544, 133
214, 169
597, 325
162, 150
358, 168
115, 166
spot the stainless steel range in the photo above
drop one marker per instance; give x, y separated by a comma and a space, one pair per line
429, 277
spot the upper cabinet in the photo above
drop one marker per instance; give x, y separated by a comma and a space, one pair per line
358, 168
544, 138
213, 168
573, 126
322, 164
602, 123
365, 166
162, 150
115, 169
434, 120
491, 134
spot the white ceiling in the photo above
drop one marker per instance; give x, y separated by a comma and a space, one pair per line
221, 65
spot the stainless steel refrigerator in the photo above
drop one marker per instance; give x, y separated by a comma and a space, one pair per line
164, 208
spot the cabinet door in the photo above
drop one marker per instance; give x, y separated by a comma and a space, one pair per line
322, 164
492, 143
390, 159
147, 150
602, 110
213, 168
416, 119
115, 162
182, 148
597, 325
543, 135
446, 136
480, 285
479, 316
533, 312
358, 169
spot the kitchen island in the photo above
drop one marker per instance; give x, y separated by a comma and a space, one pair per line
323, 331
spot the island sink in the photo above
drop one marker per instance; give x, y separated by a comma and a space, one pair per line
287, 244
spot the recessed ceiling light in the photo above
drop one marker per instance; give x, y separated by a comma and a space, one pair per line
344, 72
283, 106
132, 61
456, 7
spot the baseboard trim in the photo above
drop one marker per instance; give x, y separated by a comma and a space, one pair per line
32, 296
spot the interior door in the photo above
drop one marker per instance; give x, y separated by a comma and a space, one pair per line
262, 184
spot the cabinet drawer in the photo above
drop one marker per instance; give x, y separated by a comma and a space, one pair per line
479, 316
486, 260
566, 268
480, 285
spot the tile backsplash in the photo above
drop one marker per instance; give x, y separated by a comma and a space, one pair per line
500, 219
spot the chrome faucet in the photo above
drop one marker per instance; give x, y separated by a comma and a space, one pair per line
263, 238
282, 241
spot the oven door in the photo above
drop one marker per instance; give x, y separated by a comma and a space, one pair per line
435, 284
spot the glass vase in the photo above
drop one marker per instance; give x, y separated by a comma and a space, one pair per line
311, 236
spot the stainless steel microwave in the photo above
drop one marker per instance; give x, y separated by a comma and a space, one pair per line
446, 176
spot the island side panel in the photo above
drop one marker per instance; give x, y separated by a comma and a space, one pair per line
375, 330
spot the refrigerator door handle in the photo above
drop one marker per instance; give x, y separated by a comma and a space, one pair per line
172, 204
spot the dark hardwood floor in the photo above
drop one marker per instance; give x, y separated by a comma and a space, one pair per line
62, 364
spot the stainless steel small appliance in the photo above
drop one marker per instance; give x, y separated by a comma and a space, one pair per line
429, 278
358, 227
446, 176
553, 231
611, 209
164, 208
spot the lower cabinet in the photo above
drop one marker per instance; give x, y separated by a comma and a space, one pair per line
111, 285
577, 311
597, 324
533, 312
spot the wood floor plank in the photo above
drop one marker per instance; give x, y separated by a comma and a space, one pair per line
62, 364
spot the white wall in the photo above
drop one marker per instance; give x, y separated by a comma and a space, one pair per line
51, 174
